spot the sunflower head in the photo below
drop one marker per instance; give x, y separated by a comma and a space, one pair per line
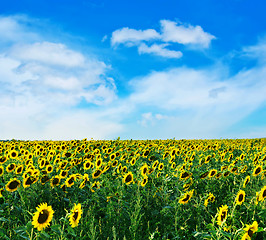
240, 198
222, 214
42, 217
12, 185
262, 194
251, 229
128, 178
75, 215
257, 171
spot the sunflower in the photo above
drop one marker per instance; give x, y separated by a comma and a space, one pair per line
10, 167
212, 173
257, 171
160, 167
13, 154
1, 171
112, 156
186, 197
114, 164
128, 178
154, 165
133, 161
218, 175
28, 181
1, 192
184, 175
240, 198
250, 230
99, 162
12, 185
49, 168
95, 185
87, 165
42, 217
204, 175
44, 179
3, 159
144, 181
244, 169
70, 180
262, 194
246, 181
85, 180
63, 173
222, 214
19, 169
55, 181
75, 215
97, 173
210, 198
226, 174
144, 169
224, 167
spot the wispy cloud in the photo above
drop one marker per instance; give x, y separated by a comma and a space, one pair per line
159, 50
185, 34
42, 82
200, 103
131, 36
171, 32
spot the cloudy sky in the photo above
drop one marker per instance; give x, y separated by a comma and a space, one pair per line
137, 69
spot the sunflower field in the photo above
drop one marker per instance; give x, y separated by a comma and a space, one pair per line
133, 189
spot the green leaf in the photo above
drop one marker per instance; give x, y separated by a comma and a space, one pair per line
56, 228
20, 229
226, 234
260, 229
2, 219
71, 231
44, 234
202, 235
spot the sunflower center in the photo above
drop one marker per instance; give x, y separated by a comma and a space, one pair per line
264, 194
240, 198
43, 216
223, 215
14, 185
257, 171
29, 181
55, 181
185, 174
97, 173
75, 216
250, 233
186, 198
128, 178
71, 180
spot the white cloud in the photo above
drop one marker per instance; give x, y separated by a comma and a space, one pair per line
197, 103
185, 34
159, 50
131, 36
48, 53
257, 51
14, 29
43, 83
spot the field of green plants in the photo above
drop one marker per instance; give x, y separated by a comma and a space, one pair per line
133, 189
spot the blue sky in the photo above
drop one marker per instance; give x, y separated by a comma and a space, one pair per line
132, 69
